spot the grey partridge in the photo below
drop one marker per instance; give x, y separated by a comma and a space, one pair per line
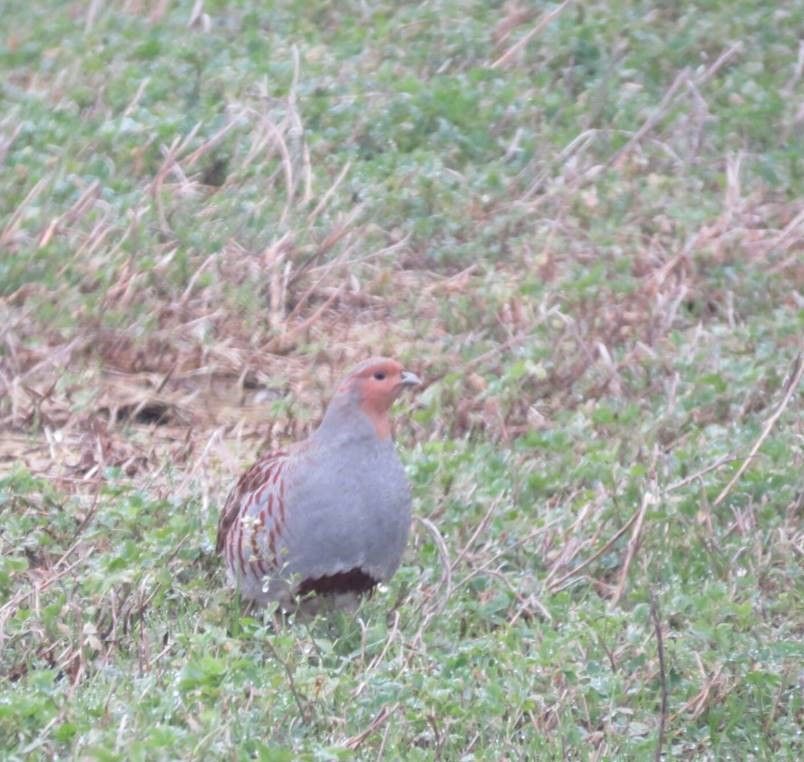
327, 518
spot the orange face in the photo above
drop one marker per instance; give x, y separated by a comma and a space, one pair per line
379, 382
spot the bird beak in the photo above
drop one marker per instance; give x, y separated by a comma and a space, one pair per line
410, 379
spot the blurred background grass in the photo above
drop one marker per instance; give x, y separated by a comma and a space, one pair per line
581, 223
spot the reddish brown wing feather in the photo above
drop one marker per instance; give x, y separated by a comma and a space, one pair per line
267, 468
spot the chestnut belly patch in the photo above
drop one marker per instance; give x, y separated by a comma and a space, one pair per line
354, 580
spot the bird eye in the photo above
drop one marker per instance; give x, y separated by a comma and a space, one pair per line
379, 375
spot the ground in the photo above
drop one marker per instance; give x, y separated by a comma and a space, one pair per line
580, 223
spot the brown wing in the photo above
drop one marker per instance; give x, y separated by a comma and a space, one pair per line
266, 468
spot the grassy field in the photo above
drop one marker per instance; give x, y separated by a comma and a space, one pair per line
581, 223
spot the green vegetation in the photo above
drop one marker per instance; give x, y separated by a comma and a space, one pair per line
585, 235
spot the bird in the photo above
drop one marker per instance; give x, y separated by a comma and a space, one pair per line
317, 525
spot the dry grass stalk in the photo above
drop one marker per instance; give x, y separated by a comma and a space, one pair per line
515, 15
657, 627
575, 571
11, 228
327, 197
652, 121
495, 557
520, 44
648, 498
356, 741
445, 582
791, 385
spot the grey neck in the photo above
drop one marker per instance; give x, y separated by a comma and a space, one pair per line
345, 423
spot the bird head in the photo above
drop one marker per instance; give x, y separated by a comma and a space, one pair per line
372, 387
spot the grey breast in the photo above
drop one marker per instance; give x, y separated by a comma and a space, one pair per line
348, 506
